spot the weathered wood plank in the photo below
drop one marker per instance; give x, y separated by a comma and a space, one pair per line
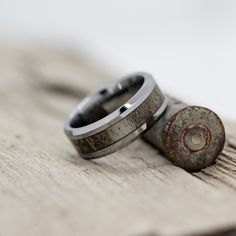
46, 189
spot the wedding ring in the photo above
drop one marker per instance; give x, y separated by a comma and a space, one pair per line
115, 115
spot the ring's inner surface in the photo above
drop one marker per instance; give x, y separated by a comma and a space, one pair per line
106, 101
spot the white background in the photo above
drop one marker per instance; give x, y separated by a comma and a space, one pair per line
189, 46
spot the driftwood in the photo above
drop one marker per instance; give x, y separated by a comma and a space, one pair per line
47, 189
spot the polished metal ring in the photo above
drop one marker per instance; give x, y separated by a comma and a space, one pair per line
114, 116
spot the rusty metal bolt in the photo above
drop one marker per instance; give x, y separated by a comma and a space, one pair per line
191, 137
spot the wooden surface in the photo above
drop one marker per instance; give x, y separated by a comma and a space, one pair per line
46, 189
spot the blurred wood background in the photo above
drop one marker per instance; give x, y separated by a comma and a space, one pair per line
47, 189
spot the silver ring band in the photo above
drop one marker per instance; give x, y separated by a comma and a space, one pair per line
114, 116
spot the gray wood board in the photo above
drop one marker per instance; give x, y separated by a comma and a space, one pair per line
47, 189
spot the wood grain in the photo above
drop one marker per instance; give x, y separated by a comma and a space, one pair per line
47, 189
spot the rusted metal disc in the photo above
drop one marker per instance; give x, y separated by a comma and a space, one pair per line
193, 137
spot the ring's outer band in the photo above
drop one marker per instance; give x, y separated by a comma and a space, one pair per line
121, 126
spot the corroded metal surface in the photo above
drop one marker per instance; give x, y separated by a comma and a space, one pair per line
190, 136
